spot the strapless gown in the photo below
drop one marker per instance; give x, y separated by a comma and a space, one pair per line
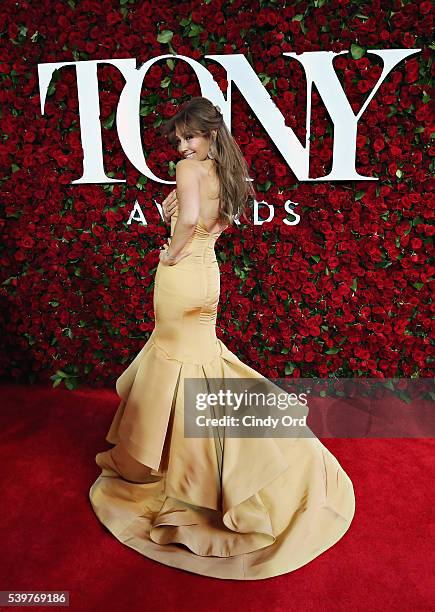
242, 509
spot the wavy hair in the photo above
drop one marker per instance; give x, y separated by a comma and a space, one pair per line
199, 116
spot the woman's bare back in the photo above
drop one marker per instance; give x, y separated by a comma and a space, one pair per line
209, 190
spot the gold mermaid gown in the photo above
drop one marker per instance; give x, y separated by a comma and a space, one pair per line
260, 507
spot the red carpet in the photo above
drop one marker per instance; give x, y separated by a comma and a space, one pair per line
51, 539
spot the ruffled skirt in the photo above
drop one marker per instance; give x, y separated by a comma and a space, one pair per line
235, 508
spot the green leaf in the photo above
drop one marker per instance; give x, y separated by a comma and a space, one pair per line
406, 232
354, 284
51, 88
109, 121
399, 173
359, 195
356, 51
145, 111
195, 29
289, 368
333, 350
265, 186
67, 332
165, 36
298, 17
316, 258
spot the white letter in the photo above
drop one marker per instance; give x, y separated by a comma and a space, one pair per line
89, 112
257, 220
319, 70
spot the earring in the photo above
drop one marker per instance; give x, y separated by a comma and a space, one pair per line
210, 154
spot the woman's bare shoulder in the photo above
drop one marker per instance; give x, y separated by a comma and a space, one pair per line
187, 169
193, 165
188, 163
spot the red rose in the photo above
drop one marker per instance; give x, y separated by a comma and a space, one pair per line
425, 7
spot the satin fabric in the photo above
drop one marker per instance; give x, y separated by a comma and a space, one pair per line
235, 508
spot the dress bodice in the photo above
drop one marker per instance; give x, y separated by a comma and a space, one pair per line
202, 241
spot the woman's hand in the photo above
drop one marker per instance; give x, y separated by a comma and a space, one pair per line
170, 205
165, 260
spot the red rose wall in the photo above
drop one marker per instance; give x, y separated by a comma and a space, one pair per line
346, 292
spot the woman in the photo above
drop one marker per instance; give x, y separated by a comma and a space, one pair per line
229, 507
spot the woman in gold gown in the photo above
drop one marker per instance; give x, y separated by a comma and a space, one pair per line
237, 508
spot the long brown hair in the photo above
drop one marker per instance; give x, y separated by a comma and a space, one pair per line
198, 116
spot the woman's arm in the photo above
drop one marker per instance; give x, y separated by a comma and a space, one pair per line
188, 195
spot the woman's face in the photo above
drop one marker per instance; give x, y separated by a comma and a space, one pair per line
192, 146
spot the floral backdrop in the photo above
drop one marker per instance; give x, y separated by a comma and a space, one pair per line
346, 292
